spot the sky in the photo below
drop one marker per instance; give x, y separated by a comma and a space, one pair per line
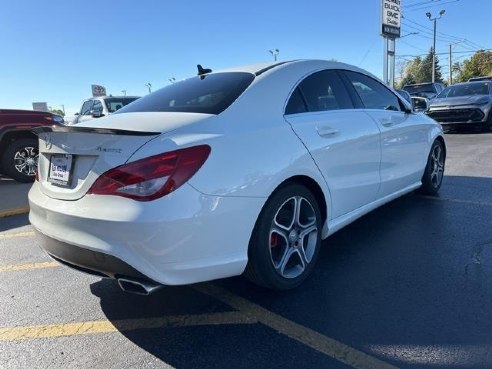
53, 50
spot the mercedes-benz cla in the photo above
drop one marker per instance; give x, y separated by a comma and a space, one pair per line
241, 170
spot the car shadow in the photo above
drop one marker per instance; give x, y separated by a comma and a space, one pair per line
408, 283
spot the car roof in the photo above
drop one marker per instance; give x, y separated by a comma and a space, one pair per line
423, 84
471, 83
260, 68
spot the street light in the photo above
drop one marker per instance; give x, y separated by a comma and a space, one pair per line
172, 80
429, 15
409, 34
149, 86
274, 53
124, 92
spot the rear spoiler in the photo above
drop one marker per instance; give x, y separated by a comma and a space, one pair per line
105, 131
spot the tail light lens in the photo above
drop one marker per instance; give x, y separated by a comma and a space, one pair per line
153, 177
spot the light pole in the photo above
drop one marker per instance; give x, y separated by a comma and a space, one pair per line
149, 86
124, 92
429, 15
172, 80
274, 53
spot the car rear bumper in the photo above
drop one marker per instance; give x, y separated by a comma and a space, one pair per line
185, 237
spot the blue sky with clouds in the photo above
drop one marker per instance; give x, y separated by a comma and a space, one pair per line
54, 50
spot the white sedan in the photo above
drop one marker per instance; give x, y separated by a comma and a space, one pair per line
244, 170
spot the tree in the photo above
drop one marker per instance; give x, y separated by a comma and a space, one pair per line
56, 111
480, 64
419, 70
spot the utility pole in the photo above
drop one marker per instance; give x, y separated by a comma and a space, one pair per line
429, 15
450, 64
450, 60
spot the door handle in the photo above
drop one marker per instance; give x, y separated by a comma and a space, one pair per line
327, 131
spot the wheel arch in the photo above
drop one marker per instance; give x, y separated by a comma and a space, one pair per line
443, 142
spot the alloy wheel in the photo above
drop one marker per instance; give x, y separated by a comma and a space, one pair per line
293, 237
26, 161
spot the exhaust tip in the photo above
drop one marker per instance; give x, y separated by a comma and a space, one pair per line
136, 287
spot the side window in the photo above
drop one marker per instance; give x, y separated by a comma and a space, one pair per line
97, 106
325, 91
373, 94
86, 108
296, 103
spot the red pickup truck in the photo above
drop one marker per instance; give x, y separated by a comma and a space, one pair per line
18, 145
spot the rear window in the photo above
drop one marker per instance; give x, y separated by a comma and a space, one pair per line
420, 88
210, 94
116, 103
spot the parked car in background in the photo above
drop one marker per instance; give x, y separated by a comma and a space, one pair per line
18, 145
477, 79
98, 107
464, 104
428, 90
419, 104
404, 94
241, 170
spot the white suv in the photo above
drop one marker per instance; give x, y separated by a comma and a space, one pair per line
98, 107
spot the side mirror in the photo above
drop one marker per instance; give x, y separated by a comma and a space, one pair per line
97, 113
420, 104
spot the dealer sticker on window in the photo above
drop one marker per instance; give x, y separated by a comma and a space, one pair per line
60, 168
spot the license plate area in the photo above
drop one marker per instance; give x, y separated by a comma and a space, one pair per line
60, 172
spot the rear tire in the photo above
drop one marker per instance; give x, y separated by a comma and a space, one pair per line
286, 239
434, 170
20, 160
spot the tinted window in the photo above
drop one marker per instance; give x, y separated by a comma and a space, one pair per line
86, 108
374, 95
296, 103
116, 103
416, 89
325, 91
97, 106
210, 94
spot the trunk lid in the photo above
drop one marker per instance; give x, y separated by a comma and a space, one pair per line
83, 153
98, 145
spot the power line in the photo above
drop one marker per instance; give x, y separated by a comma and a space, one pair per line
446, 53
433, 6
420, 3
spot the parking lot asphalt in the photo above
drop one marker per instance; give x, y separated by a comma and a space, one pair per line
407, 286
13, 197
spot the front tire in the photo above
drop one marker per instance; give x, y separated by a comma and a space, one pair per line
434, 170
286, 239
20, 160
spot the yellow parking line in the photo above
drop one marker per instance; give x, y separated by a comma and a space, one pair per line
105, 326
12, 212
30, 266
326, 345
4, 236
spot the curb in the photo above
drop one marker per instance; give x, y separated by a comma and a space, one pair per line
12, 212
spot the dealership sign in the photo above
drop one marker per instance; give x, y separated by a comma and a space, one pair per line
98, 90
390, 18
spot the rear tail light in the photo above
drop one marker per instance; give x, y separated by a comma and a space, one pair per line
153, 177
